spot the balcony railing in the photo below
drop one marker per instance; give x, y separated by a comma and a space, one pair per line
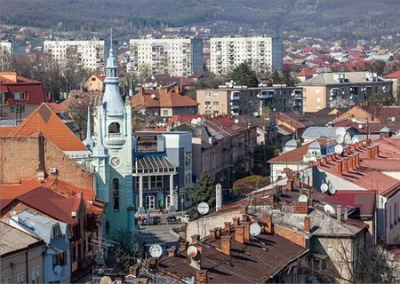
235, 96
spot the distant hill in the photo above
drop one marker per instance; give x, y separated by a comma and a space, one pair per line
352, 19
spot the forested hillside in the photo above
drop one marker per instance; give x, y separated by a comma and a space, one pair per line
320, 18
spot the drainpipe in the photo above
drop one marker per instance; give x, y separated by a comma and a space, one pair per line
27, 265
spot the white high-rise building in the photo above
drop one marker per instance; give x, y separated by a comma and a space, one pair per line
263, 53
178, 57
91, 53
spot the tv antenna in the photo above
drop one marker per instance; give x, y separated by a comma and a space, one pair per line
203, 208
155, 250
324, 187
329, 210
255, 229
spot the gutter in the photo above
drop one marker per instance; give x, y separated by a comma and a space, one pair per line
289, 262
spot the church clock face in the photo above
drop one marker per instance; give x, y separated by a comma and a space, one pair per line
115, 162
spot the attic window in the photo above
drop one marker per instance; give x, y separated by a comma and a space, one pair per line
93, 79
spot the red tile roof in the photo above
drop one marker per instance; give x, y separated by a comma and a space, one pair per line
183, 118
348, 199
383, 165
394, 75
169, 98
57, 108
306, 72
55, 205
44, 120
13, 190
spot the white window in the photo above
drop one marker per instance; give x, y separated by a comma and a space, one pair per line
21, 277
318, 99
19, 96
36, 274
216, 94
6, 280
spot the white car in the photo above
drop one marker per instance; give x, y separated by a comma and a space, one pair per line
183, 218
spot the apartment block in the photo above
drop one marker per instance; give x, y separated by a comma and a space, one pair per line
90, 53
178, 57
241, 100
263, 53
342, 89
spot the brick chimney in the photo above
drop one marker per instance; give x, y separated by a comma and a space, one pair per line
350, 163
318, 162
245, 218
290, 185
235, 221
360, 144
239, 234
369, 153
218, 232
309, 197
183, 246
195, 239
268, 226
246, 231
201, 277
375, 151
226, 244
323, 161
227, 226
339, 167
212, 233
171, 251
134, 270
329, 158
307, 224
311, 164
345, 165
357, 160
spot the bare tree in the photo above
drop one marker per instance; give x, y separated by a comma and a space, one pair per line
142, 118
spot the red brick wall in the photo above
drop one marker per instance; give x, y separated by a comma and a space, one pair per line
290, 235
20, 160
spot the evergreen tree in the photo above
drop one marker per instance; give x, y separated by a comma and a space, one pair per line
202, 192
243, 75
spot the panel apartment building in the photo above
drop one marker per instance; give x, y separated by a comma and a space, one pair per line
91, 53
264, 53
178, 57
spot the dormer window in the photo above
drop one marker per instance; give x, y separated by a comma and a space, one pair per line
19, 96
56, 231
114, 128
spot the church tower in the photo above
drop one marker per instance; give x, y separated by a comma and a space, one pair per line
114, 137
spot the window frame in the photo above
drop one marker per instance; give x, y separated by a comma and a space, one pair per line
115, 191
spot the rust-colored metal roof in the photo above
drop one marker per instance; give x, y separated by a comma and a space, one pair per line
4, 131
252, 262
44, 120
162, 98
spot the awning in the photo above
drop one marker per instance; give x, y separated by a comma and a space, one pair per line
59, 244
153, 165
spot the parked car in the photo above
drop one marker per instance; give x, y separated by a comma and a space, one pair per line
183, 218
155, 220
172, 219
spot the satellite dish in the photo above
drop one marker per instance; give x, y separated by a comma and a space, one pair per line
329, 209
198, 119
340, 131
57, 269
155, 250
105, 280
303, 198
392, 119
355, 140
255, 114
255, 229
360, 126
192, 251
324, 187
203, 208
338, 149
153, 96
332, 190
193, 121
236, 121
347, 139
340, 138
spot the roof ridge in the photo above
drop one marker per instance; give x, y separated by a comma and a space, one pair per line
27, 119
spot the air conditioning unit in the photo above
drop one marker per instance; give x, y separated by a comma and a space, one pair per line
53, 170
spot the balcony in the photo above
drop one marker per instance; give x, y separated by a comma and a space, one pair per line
115, 140
234, 106
235, 96
266, 94
297, 94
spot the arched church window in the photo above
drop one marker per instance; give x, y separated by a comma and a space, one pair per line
114, 128
115, 188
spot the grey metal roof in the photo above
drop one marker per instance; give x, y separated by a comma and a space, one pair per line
38, 225
13, 239
321, 132
329, 79
153, 164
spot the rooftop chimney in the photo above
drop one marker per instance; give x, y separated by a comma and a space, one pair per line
201, 277
360, 144
183, 246
339, 212
239, 234
245, 218
246, 231
357, 160
226, 244
134, 270
350, 163
227, 226
318, 162
171, 251
268, 226
212, 233
235, 221
307, 224
339, 167
345, 165
369, 153
195, 239
218, 232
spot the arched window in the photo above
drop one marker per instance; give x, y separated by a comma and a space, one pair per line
115, 188
114, 128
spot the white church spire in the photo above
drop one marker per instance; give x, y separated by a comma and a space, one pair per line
112, 100
88, 141
99, 150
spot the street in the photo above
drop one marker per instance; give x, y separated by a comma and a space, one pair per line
158, 234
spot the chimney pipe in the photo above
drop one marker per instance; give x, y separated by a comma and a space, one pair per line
171, 251
195, 239
183, 246
212, 233
201, 277
227, 226
235, 221
369, 152
339, 167
344, 165
226, 244
339, 212
307, 224
246, 231
239, 234
217, 232
268, 226
350, 163
360, 144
